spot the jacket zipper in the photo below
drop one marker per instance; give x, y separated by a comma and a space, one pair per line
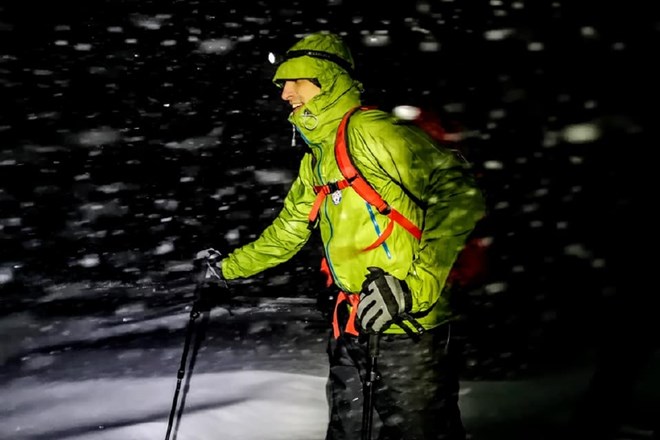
317, 148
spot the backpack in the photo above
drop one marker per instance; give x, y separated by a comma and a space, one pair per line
471, 266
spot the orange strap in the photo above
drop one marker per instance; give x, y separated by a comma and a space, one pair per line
353, 299
355, 180
364, 189
321, 192
326, 273
381, 238
407, 224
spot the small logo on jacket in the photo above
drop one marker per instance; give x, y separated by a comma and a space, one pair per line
336, 197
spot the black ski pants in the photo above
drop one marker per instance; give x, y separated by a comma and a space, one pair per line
415, 395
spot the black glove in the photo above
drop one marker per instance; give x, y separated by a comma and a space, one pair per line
383, 300
208, 267
211, 285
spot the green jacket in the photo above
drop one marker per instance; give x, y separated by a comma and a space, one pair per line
423, 181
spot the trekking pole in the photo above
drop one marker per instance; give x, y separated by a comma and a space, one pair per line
368, 406
197, 308
372, 370
194, 314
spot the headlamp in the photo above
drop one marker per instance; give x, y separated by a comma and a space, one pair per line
274, 58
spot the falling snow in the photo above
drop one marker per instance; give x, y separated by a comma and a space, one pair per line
137, 133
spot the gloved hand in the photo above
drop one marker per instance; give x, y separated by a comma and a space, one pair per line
207, 267
383, 299
210, 282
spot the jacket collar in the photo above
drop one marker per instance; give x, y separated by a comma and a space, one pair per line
319, 118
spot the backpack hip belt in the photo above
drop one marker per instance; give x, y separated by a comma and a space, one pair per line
350, 328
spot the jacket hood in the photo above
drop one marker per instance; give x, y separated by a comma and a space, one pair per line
323, 57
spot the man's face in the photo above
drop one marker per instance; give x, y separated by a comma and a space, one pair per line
298, 92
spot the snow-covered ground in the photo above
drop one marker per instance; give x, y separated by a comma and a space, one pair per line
258, 373
138, 133
247, 405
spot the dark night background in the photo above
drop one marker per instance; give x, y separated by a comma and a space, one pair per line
135, 133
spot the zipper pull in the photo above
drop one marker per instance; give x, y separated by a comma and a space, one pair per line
293, 135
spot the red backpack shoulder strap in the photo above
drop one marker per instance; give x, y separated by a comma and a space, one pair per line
362, 187
348, 168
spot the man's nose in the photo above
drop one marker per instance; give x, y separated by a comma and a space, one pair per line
287, 91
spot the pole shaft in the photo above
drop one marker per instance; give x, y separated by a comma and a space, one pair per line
372, 375
182, 369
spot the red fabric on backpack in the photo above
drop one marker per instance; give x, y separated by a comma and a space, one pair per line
472, 264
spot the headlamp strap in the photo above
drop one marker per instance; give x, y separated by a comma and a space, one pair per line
321, 55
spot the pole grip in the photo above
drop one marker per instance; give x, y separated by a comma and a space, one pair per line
374, 342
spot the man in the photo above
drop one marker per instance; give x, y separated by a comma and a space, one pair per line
400, 281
